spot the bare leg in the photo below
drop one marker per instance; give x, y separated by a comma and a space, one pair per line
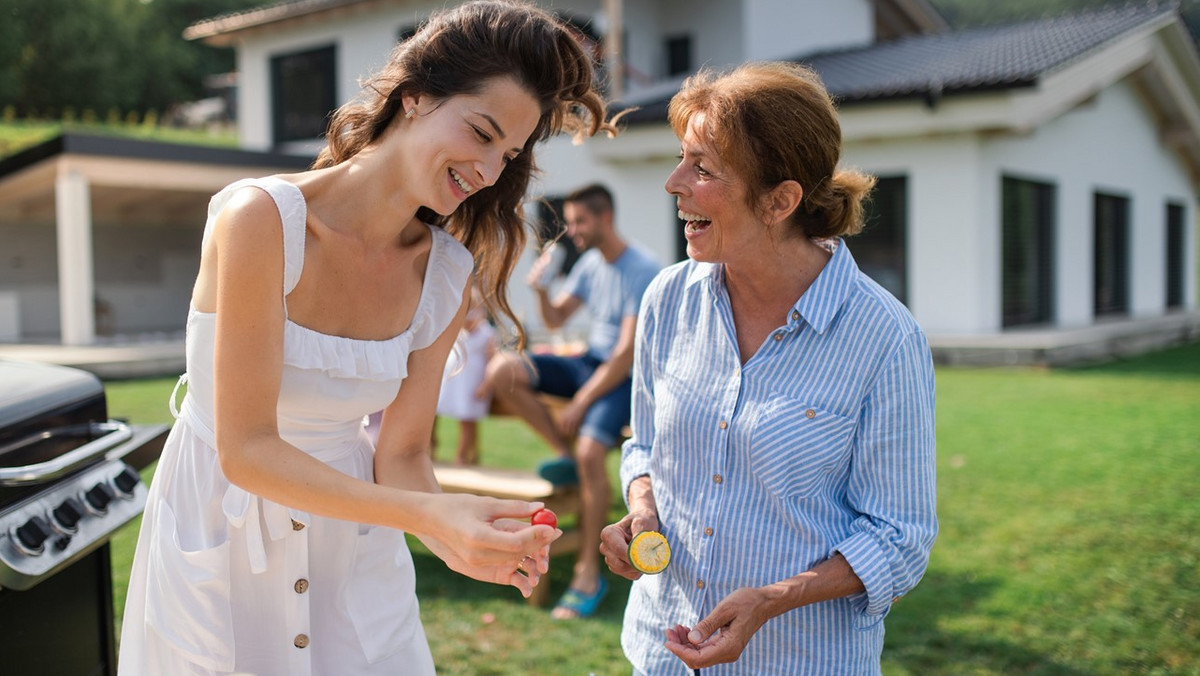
509, 383
595, 495
468, 440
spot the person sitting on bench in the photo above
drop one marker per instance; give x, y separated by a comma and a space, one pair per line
609, 278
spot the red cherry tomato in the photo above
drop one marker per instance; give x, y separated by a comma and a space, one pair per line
544, 517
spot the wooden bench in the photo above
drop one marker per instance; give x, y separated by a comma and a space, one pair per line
515, 484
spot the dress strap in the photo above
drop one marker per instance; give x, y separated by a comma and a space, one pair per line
293, 213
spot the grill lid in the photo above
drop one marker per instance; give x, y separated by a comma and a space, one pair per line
29, 389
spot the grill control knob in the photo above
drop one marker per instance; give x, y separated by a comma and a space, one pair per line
31, 535
127, 481
68, 514
98, 497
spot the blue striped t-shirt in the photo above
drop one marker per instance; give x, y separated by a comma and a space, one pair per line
822, 442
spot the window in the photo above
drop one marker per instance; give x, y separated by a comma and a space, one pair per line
881, 249
679, 55
1027, 252
303, 93
406, 32
1110, 241
1175, 255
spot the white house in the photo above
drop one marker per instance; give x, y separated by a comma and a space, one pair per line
1037, 179
1037, 195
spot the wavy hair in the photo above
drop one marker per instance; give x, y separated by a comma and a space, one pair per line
775, 121
457, 51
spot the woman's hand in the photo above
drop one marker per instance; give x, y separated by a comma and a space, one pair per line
615, 539
486, 539
724, 633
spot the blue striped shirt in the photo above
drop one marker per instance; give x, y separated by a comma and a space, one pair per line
822, 442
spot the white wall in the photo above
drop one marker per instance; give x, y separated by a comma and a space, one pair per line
775, 29
1108, 145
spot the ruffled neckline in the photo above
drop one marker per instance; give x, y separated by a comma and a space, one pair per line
361, 358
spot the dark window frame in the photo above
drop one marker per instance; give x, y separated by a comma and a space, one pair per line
1111, 252
290, 121
1175, 245
881, 249
1027, 251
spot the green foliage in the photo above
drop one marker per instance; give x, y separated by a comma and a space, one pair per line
125, 55
1069, 541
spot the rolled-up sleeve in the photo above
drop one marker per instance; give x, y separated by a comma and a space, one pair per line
892, 485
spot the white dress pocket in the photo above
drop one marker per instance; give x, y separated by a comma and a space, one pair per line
187, 595
383, 580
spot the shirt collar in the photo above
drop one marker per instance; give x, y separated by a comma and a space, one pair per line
829, 291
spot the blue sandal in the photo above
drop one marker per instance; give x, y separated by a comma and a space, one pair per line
559, 471
581, 604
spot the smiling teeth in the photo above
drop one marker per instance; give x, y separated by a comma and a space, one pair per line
685, 216
461, 183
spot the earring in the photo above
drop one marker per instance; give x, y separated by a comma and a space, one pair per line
410, 113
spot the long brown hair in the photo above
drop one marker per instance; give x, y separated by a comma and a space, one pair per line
456, 52
772, 122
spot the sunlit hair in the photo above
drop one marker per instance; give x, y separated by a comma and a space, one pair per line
771, 122
458, 51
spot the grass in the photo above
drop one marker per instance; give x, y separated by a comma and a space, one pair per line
1070, 539
18, 135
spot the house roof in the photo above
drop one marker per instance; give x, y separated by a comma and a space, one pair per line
940, 64
905, 15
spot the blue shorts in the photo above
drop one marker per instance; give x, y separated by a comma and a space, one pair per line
563, 376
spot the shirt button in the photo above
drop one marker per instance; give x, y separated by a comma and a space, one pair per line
708, 531
699, 584
810, 414
301, 641
778, 337
301, 586
795, 315
296, 525
724, 424
717, 478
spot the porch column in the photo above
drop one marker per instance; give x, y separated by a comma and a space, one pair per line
76, 292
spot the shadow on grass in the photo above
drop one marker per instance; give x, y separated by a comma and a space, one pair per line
1176, 362
922, 637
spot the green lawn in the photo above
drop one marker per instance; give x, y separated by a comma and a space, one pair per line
1070, 539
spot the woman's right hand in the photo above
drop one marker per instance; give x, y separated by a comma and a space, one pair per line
488, 539
615, 539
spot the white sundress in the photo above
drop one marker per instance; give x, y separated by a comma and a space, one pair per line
224, 581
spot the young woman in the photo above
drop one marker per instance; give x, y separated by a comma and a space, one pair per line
273, 539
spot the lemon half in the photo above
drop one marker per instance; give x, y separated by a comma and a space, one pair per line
649, 552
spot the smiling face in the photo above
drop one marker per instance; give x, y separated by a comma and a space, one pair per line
711, 198
584, 226
461, 144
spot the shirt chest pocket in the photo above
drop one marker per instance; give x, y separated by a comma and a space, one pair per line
795, 447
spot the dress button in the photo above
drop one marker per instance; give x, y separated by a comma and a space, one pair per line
810, 414
778, 337
296, 525
717, 478
301, 641
301, 586
699, 584
724, 424
708, 531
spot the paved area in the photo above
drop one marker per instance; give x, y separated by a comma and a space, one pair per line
1106, 340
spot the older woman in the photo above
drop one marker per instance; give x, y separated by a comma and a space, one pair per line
783, 432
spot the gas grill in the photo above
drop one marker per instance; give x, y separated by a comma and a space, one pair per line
68, 480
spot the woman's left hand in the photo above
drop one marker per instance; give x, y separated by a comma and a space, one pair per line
724, 633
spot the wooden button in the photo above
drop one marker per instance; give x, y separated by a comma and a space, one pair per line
296, 525
810, 414
717, 478
699, 584
301, 586
301, 641
724, 424
778, 337
708, 531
